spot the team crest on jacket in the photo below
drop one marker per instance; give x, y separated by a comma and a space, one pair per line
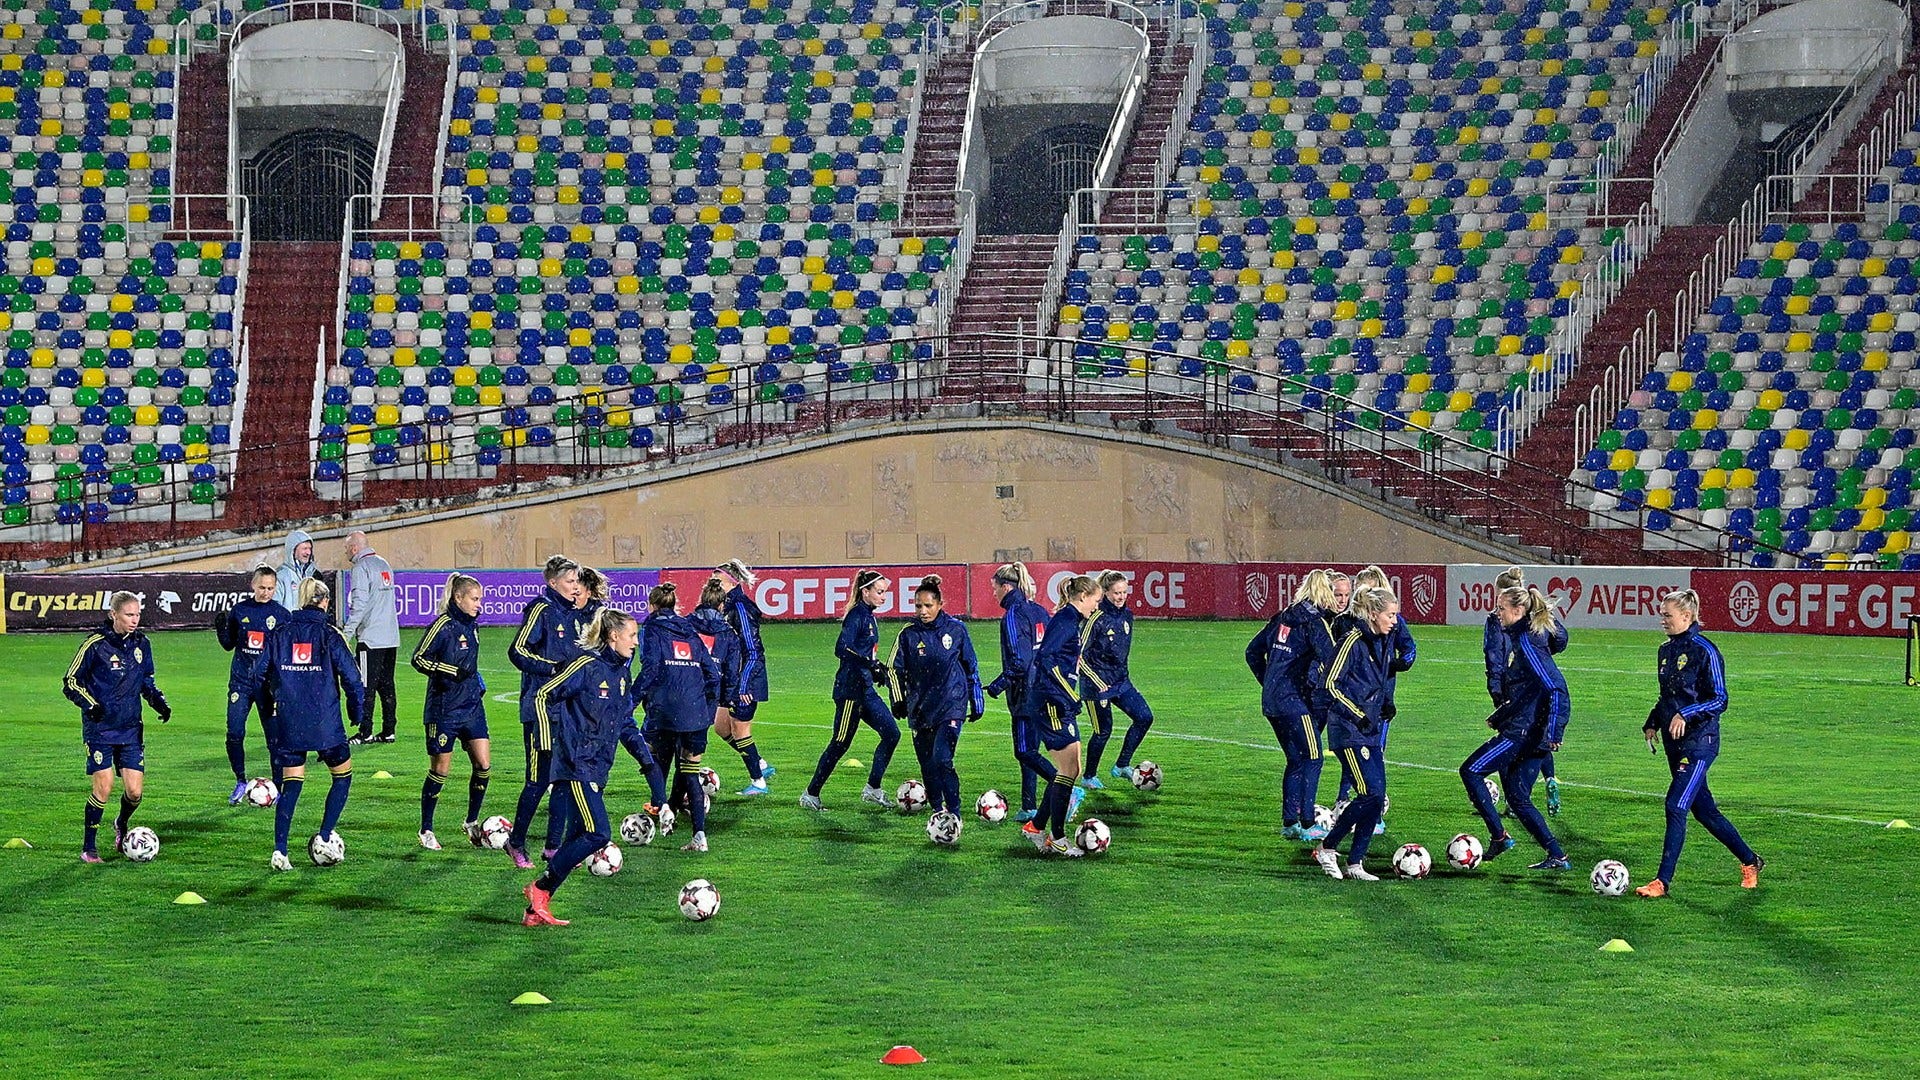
302, 652
605, 690
1366, 753
463, 643
946, 641
683, 650
113, 661
139, 656
1679, 664
272, 620
233, 698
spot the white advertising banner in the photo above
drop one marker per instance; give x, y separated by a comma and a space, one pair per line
1604, 597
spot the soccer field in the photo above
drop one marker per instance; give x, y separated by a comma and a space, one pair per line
1201, 944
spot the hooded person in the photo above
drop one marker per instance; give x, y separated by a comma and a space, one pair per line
296, 565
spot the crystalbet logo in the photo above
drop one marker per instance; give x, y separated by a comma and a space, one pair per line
43, 604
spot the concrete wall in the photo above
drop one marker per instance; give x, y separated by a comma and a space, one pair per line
317, 62
964, 496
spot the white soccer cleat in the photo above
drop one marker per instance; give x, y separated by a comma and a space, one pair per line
1063, 846
1356, 872
877, 797
1329, 861
474, 835
698, 843
810, 802
429, 841
280, 861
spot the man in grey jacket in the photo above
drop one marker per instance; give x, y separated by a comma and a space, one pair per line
373, 623
297, 564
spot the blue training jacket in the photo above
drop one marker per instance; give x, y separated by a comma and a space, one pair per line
586, 705
1693, 684
1289, 656
1357, 684
108, 678
1534, 705
1493, 643
679, 680
1023, 624
718, 636
744, 616
1404, 654
448, 654
857, 649
938, 673
1109, 644
243, 632
1056, 667
549, 630
307, 664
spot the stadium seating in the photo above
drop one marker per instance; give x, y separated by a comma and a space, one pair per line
1379, 203
119, 383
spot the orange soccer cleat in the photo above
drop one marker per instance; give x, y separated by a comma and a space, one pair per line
1652, 890
1750, 875
537, 911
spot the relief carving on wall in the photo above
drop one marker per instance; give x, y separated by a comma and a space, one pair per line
893, 505
808, 485
860, 545
793, 545
679, 538
469, 553
588, 526
1062, 548
1157, 499
1016, 456
627, 549
751, 547
933, 545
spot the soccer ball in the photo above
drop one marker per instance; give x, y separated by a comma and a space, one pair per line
326, 850
699, 900
1464, 851
944, 827
665, 820
1412, 861
1610, 878
1092, 836
141, 844
495, 830
709, 782
606, 862
1323, 818
637, 829
1493, 789
261, 792
912, 796
991, 806
1146, 776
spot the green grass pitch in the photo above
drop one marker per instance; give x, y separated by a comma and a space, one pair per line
1201, 945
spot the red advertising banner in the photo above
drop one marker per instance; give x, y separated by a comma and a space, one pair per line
1808, 601
1601, 597
1257, 590
1160, 590
823, 592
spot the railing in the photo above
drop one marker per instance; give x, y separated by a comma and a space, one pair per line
389, 122
1221, 406
1044, 312
1677, 39
1616, 385
1192, 34
1887, 135
320, 358
959, 258
1125, 115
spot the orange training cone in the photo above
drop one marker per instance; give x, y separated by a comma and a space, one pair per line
903, 1055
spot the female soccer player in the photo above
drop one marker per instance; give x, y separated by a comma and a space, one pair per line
588, 702
1529, 724
1356, 685
736, 727
1404, 654
679, 685
855, 699
1053, 697
1342, 586
1288, 657
109, 676
710, 620
307, 664
448, 654
1022, 625
243, 632
939, 683
544, 644
1686, 719
1108, 648
1493, 643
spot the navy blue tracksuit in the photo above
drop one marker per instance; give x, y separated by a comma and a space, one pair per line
1693, 686
585, 704
679, 685
1357, 687
243, 632
1023, 624
856, 700
307, 664
109, 677
743, 615
455, 709
1104, 665
1493, 644
1053, 698
1404, 653
549, 631
1531, 717
1289, 656
939, 679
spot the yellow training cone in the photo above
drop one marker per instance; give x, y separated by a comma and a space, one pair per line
1896, 823
383, 775
17, 842
189, 897
1616, 945
533, 997
851, 763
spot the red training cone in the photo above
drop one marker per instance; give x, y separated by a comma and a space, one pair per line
903, 1055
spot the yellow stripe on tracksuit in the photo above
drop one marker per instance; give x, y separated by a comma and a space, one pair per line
1353, 770
73, 671
1334, 670
580, 801
526, 624
1313, 737
544, 723
896, 693
843, 723
1086, 634
432, 667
